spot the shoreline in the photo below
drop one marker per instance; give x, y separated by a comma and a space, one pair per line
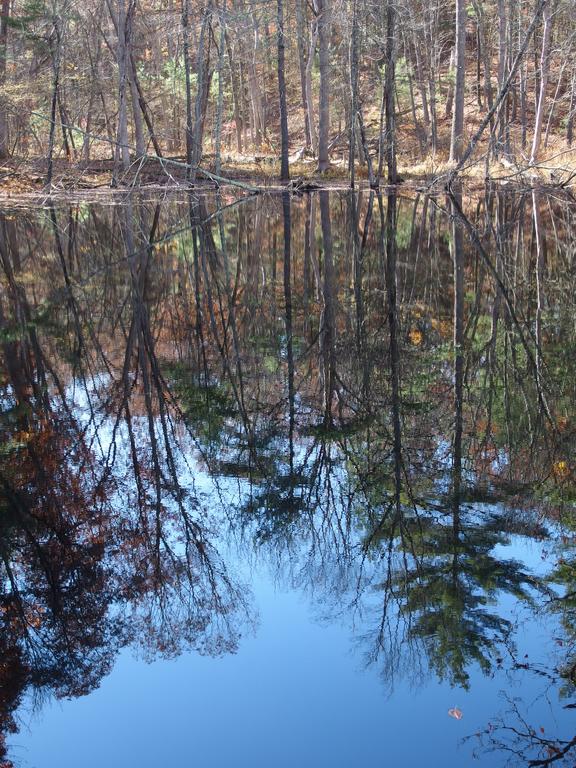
24, 180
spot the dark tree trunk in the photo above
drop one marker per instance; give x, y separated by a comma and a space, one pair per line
122, 156
55, 41
353, 92
186, 54
389, 84
4, 15
324, 110
284, 170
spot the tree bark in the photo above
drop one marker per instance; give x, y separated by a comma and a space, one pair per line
570, 123
503, 115
308, 76
145, 112
4, 137
284, 170
302, 62
353, 92
544, 70
324, 106
54, 42
457, 137
186, 54
389, 84
237, 101
136, 112
122, 155
202, 85
220, 104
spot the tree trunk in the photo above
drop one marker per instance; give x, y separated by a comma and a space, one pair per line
63, 126
478, 65
122, 155
237, 101
219, 106
249, 31
324, 105
137, 113
308, 75
457, 252
448, 110
486, 54
353, 92
94, 84
420, 81
145, 111
501, 71
570, 123
554, 102
457, 137
186, 54
202, 86
523, 115
544, 70
433, 113
542, 4
284, 171
389, 84
55, 40
389, 228
302, 61
4, 137
328, 319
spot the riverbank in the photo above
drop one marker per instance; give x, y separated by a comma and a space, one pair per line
27, 177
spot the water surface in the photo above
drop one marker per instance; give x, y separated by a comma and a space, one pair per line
288, 481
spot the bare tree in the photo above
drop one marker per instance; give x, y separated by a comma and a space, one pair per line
324, 24
285, 171
457, 136
122, 154
4, 16
544, 71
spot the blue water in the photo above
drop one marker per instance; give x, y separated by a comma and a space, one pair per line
297, 693
251, 533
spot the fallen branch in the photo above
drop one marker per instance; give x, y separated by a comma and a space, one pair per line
164, 161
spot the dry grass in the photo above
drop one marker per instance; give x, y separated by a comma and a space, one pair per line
557, 167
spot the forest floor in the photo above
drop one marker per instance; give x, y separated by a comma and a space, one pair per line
19, 177
26, 177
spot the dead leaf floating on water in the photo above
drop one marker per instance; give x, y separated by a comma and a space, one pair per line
456, 713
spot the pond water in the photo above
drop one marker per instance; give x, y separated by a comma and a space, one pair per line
288, 481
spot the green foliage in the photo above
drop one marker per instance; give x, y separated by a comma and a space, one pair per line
403, 229
174, 78
205, 407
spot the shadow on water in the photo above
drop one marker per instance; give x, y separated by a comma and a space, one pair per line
372, 393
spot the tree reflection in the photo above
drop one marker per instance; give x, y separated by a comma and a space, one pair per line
102, 544
354, 386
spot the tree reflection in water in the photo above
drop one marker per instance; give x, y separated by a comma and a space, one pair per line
377, 389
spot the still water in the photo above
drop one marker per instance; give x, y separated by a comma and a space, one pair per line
288, 482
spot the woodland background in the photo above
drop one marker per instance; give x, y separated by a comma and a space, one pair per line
351, 87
